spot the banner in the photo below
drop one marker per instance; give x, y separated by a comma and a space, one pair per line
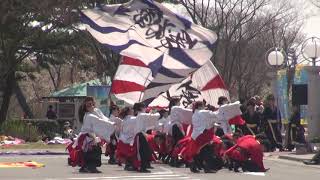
301, 77
101, 95
282, 94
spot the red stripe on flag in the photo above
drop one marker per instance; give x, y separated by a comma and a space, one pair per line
133, 62
119, 87
214, 83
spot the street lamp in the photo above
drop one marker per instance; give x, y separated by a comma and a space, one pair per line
311, 50
275, 58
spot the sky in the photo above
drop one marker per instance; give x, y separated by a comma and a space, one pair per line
312, 24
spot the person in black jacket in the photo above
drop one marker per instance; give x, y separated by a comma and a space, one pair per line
295, 129
252, 119
272, 123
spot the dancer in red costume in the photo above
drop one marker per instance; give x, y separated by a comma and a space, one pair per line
248, 152
86, 150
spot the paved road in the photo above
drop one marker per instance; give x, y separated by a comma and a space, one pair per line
56, 169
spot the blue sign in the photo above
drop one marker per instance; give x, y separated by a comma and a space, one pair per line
101, 95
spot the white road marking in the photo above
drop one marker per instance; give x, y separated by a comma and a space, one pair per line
165, 174
255, 173
120, 177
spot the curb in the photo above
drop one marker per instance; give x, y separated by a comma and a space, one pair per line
295, 161
292, 158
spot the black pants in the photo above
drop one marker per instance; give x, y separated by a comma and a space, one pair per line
92, 158
208, 160
292, 136
177, 134
274, 135
144, 151
113, 144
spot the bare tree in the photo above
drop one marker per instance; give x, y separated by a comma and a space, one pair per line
246, 30
315, 2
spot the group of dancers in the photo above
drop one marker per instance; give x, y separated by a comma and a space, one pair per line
199, 137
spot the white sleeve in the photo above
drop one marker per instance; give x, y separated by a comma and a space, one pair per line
146, 121
103, 128
210, 118
87, 126
100, 114
181, 114
229, 111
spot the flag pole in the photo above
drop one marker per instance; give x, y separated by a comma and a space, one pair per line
144, 84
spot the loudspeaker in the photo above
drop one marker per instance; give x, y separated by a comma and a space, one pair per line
299, 94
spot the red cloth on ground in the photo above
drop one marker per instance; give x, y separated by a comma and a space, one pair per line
194, 146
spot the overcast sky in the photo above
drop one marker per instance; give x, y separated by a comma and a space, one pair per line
308, 10
312, 25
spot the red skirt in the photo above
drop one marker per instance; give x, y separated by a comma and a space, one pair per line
194, 146
125, 151
217, 146
181, 146
234, 153
76, 157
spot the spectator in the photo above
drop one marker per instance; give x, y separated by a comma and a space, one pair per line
272, 123
295, 135
252, 119
51, 114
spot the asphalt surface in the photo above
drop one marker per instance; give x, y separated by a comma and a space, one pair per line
56, 168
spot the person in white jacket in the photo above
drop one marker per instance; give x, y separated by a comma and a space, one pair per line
95, 124
203, 132
224, 124
112, 145
203, 122
125, 152
144, 122
162, 122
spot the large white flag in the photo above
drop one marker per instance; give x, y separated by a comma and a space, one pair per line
169, 45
